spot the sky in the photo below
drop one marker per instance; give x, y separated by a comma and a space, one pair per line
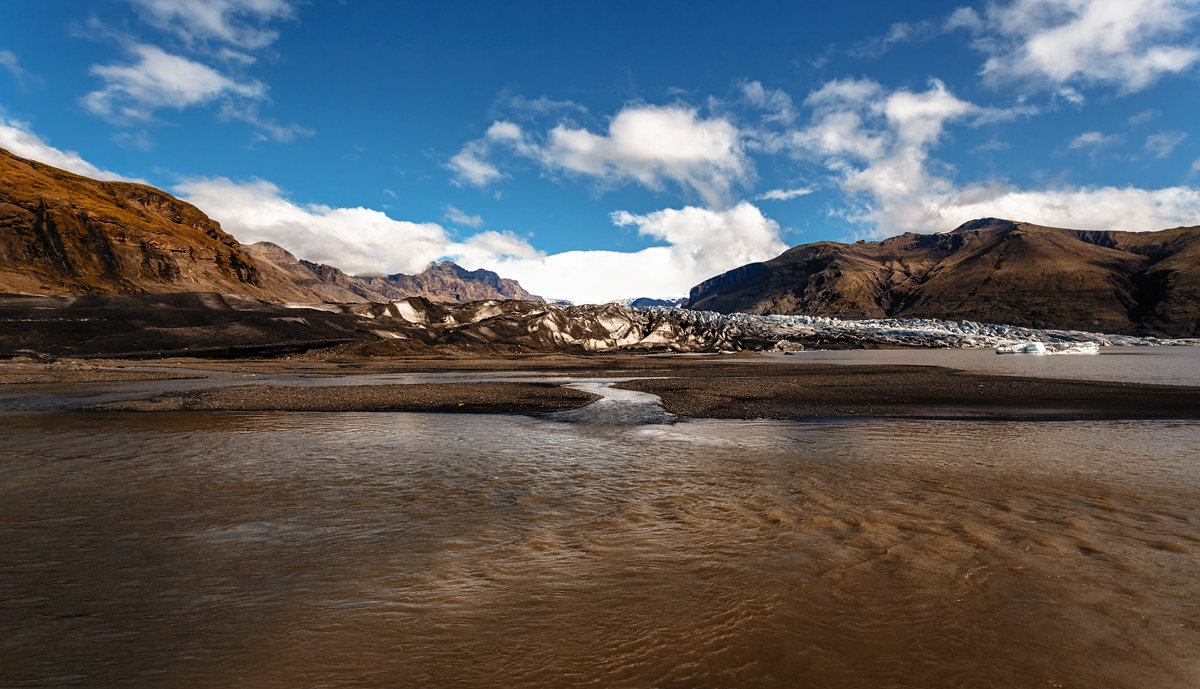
600, 151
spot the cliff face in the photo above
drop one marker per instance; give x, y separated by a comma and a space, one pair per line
989, 270
62, 233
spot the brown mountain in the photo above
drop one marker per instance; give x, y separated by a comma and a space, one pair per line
989, 270
441, 282
62, 233
449, 282
65, 234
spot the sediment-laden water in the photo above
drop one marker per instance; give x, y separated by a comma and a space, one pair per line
410, 550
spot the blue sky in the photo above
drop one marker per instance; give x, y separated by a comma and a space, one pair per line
605, 151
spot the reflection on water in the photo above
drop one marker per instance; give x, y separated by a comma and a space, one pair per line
407, 550
1176, 365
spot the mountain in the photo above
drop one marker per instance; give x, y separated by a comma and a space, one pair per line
442, 282
989, 270
65, 234
646, 302
449, 282
62, 233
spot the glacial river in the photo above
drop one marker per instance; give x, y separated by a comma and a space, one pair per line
590, 549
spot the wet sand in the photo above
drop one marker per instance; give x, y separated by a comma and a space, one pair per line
745, 387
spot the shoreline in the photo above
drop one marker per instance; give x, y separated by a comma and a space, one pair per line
716, 387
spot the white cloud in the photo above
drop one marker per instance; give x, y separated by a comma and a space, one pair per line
1082, 208
456, 216
470, 165
784, 194
1163, 144
267, 127
903, 32
652, 145
542, 105
778, 104
357, 240
17, 138
647, 144
236, 22
1093, 140
992, 145
8, 60
1128, 44
1143, 117
701, 243
140, 140
878, 144
157, 79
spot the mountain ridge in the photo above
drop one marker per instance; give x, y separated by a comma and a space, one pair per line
67, 234
989, 269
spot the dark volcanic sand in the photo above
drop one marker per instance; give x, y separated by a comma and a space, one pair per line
471, 398
831, 391
712, 387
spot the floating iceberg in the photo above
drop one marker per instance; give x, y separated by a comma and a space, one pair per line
1023, 348
1051, 348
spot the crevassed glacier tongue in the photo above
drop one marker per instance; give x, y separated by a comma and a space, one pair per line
615, 407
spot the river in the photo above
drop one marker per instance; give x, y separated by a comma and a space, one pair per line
595, 549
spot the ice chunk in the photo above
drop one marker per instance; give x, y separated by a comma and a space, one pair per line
1022, 348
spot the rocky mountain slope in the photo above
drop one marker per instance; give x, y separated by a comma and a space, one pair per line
989, 270
62, 234
441, 282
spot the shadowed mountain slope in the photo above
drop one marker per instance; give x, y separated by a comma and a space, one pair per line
990, 270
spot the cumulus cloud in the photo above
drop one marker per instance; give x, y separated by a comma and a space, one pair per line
471, 165
157, 79
236, 22
458, 217
647, 144
1078, 207
1162, 144
878, 145
357, 240
17, 138
656, 144
700, 242
1128, 44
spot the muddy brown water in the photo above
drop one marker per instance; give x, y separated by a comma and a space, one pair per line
411, 550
